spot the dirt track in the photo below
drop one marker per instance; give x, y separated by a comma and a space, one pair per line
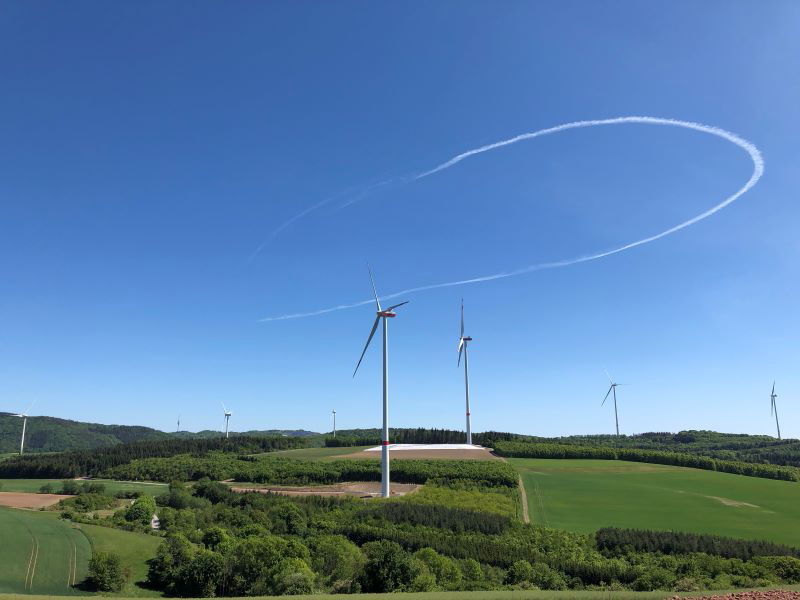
29, 500
359, 489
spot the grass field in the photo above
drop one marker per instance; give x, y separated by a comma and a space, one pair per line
498, 595
584, 495
320, 453
112, 487
40, 553
133, 548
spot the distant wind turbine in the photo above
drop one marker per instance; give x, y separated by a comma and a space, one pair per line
382, 314
462, 346
179, 424
24, 417
612, 390
774, 409
227, 415
334, 422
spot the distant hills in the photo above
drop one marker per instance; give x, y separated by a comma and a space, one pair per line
49, 434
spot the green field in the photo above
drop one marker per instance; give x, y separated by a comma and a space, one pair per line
112, 487
40, 553
584, 495
320, 453
133, 548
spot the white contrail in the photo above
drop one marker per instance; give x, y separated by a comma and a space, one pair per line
751, 149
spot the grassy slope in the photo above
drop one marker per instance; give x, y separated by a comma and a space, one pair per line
112, 487
133, 548
58, 542
320, 453
584, 495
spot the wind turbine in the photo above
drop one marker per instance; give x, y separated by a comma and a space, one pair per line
462, 346
24, 417
227, 415
382, 314
774, 409
334, 422
612, 389
179, 425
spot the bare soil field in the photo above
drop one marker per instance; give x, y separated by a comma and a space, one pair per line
751, 595
362, 489
27, 500
420, 451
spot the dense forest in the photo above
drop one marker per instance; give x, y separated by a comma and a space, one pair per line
49, 434
92, 463
447, 536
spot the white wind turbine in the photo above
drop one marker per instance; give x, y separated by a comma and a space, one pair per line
24, 417
382, 314
612, 389
334, 422
462, 346
227, 415
774, 409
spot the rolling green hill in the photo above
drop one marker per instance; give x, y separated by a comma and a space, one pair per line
50, 434
584, 495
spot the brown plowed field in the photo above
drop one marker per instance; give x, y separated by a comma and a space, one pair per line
28, 500
476, 454
359, 489
750, 595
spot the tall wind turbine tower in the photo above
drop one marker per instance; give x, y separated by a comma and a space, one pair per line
24, 417
227, 415
334, 422
774, 409
462, 346
179, 424
612, 390
382, 314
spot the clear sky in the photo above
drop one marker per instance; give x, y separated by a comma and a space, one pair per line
149, 149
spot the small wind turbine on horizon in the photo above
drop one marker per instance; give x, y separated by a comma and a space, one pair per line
612, 390
774, 409
24, 417
334, 422
179, 424
382, 314
462, 347
227, 414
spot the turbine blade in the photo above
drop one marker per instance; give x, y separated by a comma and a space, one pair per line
397, 305
773, 388
460, 349
607, 393
374, 291
224, 409
609, 377
369, 339
462, 317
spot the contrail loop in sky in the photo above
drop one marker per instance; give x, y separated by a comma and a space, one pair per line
751, 149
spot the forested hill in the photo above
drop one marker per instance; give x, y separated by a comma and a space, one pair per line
49, 434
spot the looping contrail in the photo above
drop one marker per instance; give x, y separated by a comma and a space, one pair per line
750, 148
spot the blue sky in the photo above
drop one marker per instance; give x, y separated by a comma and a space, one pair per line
148, 149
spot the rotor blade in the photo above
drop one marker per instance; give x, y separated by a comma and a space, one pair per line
397, 305
224, 409
609, 377
771, 406
374, 291
32, 404
462, 317
607, 393
369, 339
460, 349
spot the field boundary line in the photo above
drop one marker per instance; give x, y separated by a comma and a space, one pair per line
525, 515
